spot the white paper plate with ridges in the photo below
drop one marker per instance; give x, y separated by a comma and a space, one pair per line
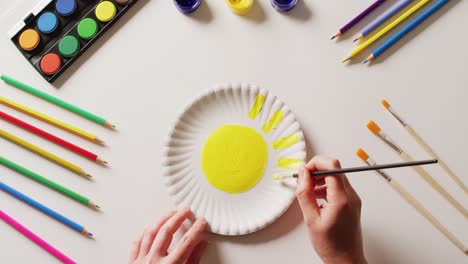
273, 133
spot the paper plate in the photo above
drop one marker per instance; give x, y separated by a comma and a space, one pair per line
248, 106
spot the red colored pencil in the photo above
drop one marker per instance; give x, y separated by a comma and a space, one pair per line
52, 138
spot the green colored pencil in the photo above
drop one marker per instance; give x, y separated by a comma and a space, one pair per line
56, 101
55, 186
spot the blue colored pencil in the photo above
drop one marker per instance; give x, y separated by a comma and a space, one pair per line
46, 210
387, 44
381, 20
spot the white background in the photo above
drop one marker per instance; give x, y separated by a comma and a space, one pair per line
154, 60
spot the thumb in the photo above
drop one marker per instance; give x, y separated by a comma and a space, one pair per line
306, 196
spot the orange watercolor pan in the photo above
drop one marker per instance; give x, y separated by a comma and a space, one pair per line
56, 32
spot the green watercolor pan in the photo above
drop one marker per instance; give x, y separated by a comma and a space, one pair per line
56, 32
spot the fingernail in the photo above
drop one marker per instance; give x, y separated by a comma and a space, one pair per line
202, 221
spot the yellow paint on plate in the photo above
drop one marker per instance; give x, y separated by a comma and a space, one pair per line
105, 11
289, 163
257, 106
274, 121
234, 158
286, 141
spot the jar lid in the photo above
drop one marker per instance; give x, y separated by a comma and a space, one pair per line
240, 7
283, 5
187, 6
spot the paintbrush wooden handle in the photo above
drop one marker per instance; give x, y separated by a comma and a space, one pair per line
424, 212
431, 153
434, 184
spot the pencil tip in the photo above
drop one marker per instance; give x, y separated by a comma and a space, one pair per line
97, 206
366, 61
345, 60
332, 38
356, 39
90, 234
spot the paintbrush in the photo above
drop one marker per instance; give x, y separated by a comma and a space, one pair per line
358, 169
424, 145
376, 130
412, 201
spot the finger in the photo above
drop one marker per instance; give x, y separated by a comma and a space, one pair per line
325, 163
135, 249
319, 180
320, 192
183, 249
306, 196
164, 237
197, 253
150, 233
352, 192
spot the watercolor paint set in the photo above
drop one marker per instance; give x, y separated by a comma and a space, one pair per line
56, 32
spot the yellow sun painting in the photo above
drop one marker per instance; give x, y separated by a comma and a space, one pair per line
234, 157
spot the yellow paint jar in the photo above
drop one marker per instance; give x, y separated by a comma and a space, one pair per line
240, 7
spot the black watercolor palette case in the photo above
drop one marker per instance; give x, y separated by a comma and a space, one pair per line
52, 36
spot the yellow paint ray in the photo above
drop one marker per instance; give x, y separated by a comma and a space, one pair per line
273, 122
286, 141
257, 106
289, 163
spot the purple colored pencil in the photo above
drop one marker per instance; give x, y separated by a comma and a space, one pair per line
358, 18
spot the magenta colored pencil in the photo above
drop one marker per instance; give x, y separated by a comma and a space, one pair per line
34, 238
358, 18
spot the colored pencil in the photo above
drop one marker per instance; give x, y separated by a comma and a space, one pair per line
50, 184
56, 101
386, 29
41, 152
50, 120
394, 39
412, 201
424, 145
52, 138
44, 209
359, 169
358, 18
376, 130
382, 19
36, 239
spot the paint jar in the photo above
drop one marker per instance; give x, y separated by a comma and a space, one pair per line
240, 7
187, 6
283, 5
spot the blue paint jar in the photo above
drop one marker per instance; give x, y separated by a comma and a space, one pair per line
283, 5
47, 22
187, 6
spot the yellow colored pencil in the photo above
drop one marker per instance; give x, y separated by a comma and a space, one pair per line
386, 29
33, 148
51, 120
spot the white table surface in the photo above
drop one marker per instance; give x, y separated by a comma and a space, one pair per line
153, 61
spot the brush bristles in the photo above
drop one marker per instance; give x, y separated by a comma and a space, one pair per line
373, 127
385, 104
362, 154
282, 177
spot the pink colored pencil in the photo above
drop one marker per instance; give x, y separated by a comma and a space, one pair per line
34, 238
